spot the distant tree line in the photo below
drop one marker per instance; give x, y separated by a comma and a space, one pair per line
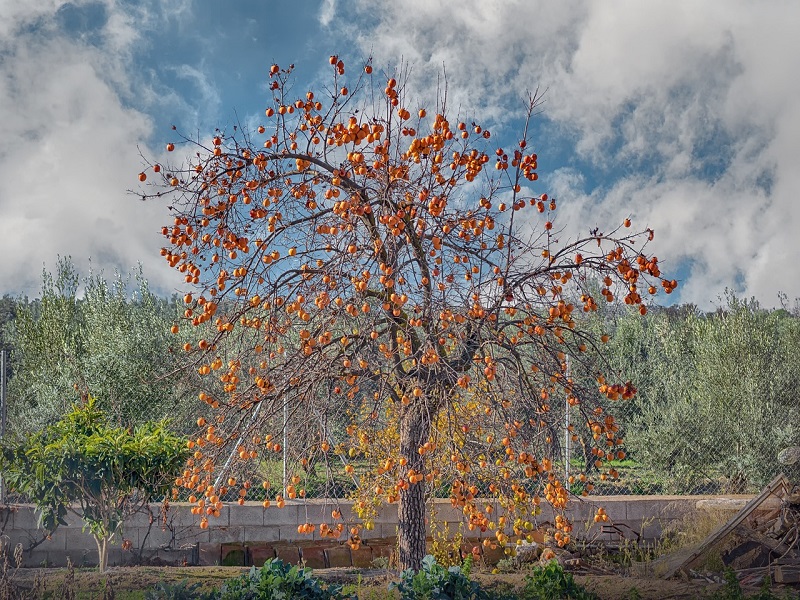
93, 337
718, 392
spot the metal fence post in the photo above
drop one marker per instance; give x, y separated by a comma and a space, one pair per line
285, 442
567, 434
3, 412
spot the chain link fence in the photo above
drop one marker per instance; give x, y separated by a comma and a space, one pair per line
708, 419
717, 440
723, 437
697, 445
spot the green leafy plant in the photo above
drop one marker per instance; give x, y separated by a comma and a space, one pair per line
278, 581
109, 472
551, 582
506, 565
766, 593
466, 566
182, 590
731, 590
634, 594
435, 582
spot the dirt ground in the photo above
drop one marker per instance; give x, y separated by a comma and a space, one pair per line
127, 581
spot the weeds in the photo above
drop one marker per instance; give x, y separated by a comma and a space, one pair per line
67, 591
108, 590
691, 529
732, 590
444, 548
9, 566
182, 590
435, 582
8, 588
553, 583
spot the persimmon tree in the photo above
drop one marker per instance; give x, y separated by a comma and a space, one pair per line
403, 289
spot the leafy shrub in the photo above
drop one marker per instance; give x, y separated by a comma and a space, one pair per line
182, 590
278, 581
553, 583
100, 472
505, 565
435, 582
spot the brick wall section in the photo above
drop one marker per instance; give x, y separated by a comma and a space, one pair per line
252, 533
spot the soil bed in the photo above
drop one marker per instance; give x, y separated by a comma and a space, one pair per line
131, 583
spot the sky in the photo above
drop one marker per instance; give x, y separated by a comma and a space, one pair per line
683, 115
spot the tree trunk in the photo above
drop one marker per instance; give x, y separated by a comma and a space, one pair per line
414, 432
102, 553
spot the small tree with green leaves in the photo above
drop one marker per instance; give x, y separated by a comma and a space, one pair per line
83, 465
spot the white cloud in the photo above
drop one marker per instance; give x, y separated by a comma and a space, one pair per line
692, 107
69, 151
205, 102
327, 10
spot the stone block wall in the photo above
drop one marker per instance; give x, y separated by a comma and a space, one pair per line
249, 534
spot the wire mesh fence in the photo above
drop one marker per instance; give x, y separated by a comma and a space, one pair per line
724, 437
688, 445
718, 405
726, 434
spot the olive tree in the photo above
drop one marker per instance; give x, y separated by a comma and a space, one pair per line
90, 336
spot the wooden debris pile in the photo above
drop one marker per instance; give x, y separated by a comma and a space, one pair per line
762, 539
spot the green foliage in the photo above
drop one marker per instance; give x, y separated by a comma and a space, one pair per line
109, 471
435, 582
766, 593
551, 582
709, 386
182, 590
506, 565
278, 581
8, 314
634, 594
89, 336
466, 566
744, 381
731, 590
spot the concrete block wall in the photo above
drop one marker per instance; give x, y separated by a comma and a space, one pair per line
251, 533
